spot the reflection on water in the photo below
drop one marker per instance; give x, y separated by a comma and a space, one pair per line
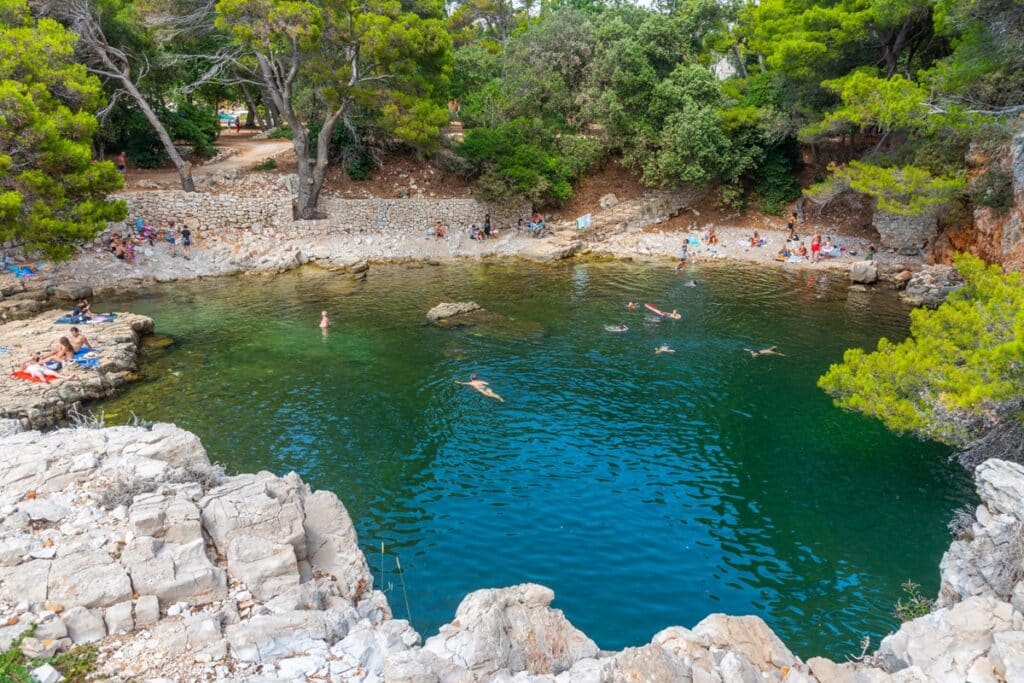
646, 490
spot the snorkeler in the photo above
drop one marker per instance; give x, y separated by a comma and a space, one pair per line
664, 348
481, 386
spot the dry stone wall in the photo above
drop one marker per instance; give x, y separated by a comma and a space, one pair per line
206, 212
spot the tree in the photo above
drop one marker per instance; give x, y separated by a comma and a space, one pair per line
960, 373
348, 54
52, 193
115, 61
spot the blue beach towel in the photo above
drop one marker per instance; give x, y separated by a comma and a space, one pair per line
87, 358
74, 320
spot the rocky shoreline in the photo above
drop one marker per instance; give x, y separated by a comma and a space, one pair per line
38, 406
129, 538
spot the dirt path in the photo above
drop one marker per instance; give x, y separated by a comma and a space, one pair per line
250, 151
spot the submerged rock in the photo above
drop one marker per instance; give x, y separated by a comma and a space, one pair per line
446, 310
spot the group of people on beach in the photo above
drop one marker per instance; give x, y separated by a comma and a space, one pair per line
123, 247
483, 231
46, 367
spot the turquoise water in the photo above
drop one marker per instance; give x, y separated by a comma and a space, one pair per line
645, 490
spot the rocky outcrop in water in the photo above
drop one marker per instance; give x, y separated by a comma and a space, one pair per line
128, 537
37, 405
446, 310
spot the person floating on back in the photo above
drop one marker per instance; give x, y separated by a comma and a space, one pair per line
481, 386
770, 351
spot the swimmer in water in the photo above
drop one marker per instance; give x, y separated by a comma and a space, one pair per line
632, 306
325, 322
481, 386
675, 315
691, 283
770, 351
616, 328
664, 348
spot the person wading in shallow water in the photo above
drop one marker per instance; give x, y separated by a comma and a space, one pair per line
481, 386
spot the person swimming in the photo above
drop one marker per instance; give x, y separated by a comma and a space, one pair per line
482, 387
616, 328
770, 351
664, 348
675, 315
691, 283
325, 322
632, 306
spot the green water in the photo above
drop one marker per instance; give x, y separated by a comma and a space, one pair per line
645, 490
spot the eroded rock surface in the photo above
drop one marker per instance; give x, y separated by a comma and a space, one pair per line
129, 538
37, 406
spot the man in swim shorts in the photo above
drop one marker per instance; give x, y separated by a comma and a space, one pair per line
186, 242
78, 340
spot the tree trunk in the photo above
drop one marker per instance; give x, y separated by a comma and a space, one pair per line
253, 115
184, 168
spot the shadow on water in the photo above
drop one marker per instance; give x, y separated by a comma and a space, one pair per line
646, 490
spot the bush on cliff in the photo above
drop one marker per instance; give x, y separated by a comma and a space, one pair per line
958, 378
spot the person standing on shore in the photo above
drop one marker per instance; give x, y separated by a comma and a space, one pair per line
816, 247
121, 161
186, 241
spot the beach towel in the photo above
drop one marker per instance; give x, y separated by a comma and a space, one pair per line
87, 358
74, 320
795, 259
21, 374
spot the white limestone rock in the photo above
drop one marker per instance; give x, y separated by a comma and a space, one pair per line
267, 568
84, 625
332, 546
511, 628
946, 642
449, 309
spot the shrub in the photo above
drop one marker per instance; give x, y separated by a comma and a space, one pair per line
280, 133
518, 158
993, 188
775, 183
77, 664
913, 604
268, 164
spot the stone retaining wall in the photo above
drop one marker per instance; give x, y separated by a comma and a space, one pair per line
205, 211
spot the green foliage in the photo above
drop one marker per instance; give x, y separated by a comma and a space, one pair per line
52, 193
76, 664
913, 604
268, 164
518, 159
128, 129
402, 57
775, 182
961, 366
992, 188
280, 133
904, 191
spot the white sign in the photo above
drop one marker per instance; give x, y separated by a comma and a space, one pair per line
583, 222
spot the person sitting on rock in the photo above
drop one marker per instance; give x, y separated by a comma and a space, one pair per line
711, 237
801, 250
82, 310
783, 254
475, 233
78, 340
536, 224
439, 230
62, 352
